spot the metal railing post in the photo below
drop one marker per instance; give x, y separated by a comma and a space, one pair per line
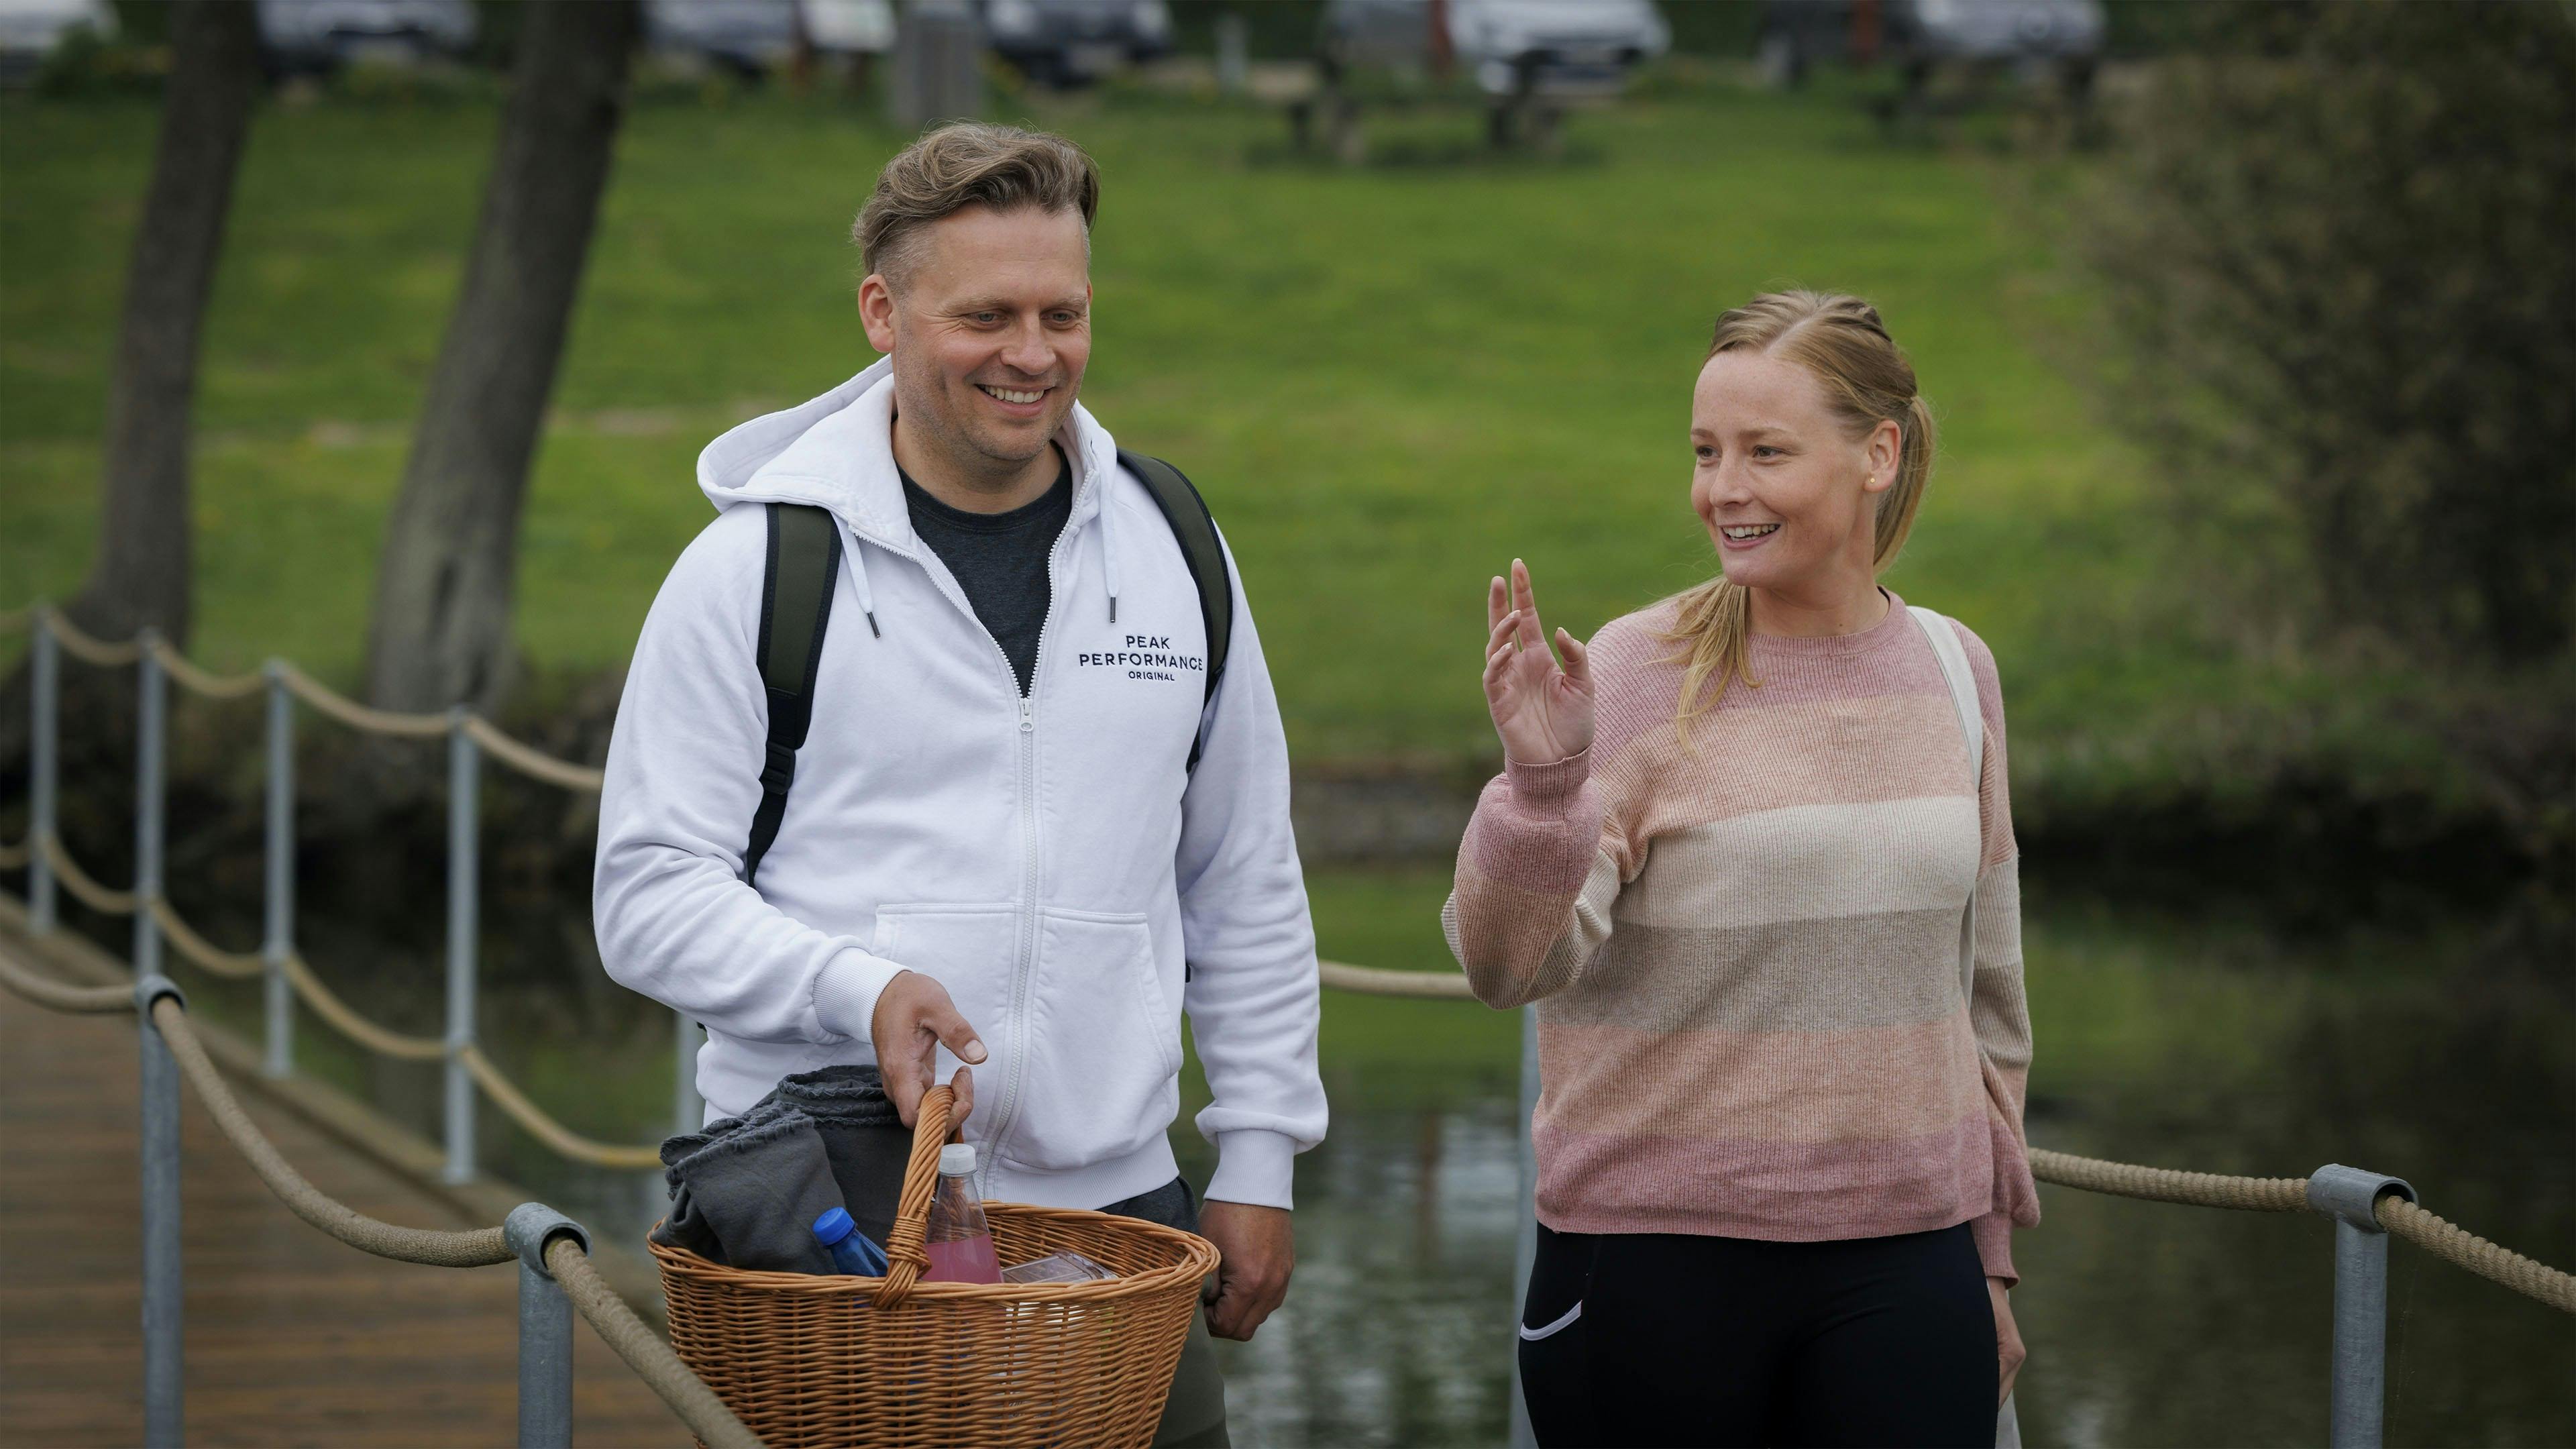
545, 1327
2351, 1196
688, 1109
152, 701
162, 1407
45, 704
463, 777
277, 940
1525, 1246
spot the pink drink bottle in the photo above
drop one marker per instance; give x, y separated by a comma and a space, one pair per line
959, 1241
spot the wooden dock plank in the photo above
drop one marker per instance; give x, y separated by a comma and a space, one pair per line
292, 1338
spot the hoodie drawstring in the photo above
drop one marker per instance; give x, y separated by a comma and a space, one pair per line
1108, 555
854, 552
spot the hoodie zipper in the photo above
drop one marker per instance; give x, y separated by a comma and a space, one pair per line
1024, 967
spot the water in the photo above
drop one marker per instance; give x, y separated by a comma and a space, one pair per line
2441, 1051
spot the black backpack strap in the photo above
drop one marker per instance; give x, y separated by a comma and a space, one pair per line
795, 607
1195, 527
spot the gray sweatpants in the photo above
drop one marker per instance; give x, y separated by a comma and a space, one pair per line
1194, 1415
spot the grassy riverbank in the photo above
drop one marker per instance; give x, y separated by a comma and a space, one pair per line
1389, 380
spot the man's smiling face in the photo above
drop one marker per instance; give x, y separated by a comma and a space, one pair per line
990, 328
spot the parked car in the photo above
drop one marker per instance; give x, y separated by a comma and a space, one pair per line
1510, 47
847, 27
749, 37
1075, 42
2063, 37
314, 37
31, 30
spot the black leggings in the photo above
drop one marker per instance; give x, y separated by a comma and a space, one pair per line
1672, 1339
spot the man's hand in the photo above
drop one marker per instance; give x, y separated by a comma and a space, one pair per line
2008, 1350
913, 1019
1258, 1250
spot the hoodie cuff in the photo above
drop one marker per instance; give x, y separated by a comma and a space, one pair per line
1549, 782
1993, 1234
846, 992
1256, 1167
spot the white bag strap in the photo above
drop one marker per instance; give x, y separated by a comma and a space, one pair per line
1972, 723
1963, 685
1944, 636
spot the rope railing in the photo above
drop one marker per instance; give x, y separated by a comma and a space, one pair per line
1378, 981
2157, 1184
233, 965
68, 873
506, 1095
2458, 1246
532, 762
364, 718
86, 647
16, 856
479, 1248
565, 1257
512, 1099
349, 1022
346, 1019
199, 680
2398, 1216
644, 1351
64, 997
294, 974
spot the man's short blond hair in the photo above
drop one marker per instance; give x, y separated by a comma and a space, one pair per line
970, 163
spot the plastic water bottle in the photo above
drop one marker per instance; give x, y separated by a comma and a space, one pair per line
853, 1252
959, 1241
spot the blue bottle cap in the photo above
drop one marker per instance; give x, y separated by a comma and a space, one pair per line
834, 1225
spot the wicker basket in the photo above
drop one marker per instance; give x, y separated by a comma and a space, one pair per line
817, 1360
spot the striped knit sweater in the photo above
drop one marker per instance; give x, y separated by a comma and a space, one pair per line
1745, 949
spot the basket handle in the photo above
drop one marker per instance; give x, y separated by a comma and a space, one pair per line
906, 1259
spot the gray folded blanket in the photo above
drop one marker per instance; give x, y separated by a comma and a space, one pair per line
865, 1141
745, 1191
748, 1195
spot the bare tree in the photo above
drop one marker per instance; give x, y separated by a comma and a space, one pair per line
441, 631
142, 572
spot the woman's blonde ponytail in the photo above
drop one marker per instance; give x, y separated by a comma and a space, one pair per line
1898, 505
1867, 381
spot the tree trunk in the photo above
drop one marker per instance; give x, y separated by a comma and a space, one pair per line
141, 574
441, 632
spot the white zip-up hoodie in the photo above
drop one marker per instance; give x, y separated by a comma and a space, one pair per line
1046, 860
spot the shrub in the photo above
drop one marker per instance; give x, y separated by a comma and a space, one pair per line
2341, 248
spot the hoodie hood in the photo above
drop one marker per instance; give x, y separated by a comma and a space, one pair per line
836, 451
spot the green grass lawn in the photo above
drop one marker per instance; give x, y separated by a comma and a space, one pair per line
1388, 380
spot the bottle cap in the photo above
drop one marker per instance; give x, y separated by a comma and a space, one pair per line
957, 1159
833, 1226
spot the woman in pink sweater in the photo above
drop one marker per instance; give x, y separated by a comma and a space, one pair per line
1732, 856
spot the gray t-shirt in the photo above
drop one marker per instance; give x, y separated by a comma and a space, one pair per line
1000, 560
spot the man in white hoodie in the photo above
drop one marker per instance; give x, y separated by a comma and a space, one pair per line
1027, 830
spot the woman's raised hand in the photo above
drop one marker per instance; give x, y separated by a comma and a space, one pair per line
1543, 713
